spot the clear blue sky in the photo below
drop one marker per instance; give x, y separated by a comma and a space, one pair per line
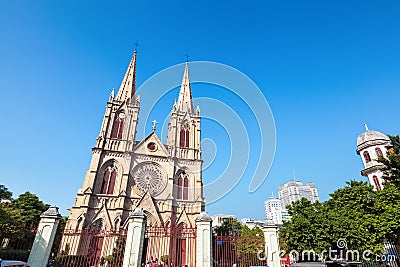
325, 67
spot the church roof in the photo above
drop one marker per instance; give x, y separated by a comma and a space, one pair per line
370, 138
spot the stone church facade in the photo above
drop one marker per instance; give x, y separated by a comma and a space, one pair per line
163, 179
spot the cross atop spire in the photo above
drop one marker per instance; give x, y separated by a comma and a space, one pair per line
136, 45
185, 102
127, 89
154, 127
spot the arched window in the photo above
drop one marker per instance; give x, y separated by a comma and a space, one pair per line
107, 186
182, 140
179, 188
376, 182
378, 152
367, 157
185, 188
118, 126
184, 137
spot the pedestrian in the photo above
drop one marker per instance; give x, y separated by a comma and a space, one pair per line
154, 263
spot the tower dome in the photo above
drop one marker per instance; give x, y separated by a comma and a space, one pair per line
371, 138
370, 146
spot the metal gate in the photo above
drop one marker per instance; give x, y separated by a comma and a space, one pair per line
234, 250
170, 246
91, 248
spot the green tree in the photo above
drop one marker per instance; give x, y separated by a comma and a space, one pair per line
31, 208
11, 221
4, 193
307, 228
356, 213
250, 240
229, 227
392, 162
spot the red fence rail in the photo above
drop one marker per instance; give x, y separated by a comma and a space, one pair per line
171, 246
233, 250
91, 248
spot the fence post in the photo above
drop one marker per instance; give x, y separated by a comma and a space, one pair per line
135, 238
44, 238
271, 245
204, 241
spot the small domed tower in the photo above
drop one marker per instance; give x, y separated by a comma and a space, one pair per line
371, 145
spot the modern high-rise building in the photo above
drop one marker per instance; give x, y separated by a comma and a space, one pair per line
273, 211
294, 190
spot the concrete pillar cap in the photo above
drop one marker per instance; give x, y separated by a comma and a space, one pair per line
138, 213
203, 217
52, 212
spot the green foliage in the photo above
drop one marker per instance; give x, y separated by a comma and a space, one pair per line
11, 221
31, 208
229, 227
71, 260
392, 163
4, 193
18, 221
19, 255
356, 213
164, 258
250, 240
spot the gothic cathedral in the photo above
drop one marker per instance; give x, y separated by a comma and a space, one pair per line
163, 179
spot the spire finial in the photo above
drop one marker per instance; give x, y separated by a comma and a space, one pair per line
366, 126
153, 128
187, 56
112, 95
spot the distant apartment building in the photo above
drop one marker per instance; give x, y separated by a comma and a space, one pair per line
294, 190
251, 223
275, 208
273, 211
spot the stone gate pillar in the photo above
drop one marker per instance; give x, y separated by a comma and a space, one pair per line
271, 245
204, 241
44, 238
135, 238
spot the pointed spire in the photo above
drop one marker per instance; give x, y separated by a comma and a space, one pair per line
366, 126
185, 102
128, 86
112, 95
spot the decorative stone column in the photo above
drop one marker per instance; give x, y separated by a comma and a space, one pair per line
204, 241
271, 245
44, 238
135, 238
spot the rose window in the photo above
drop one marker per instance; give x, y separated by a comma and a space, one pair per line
149, 177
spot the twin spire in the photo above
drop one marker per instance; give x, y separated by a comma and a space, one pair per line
185, 101
127, 89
